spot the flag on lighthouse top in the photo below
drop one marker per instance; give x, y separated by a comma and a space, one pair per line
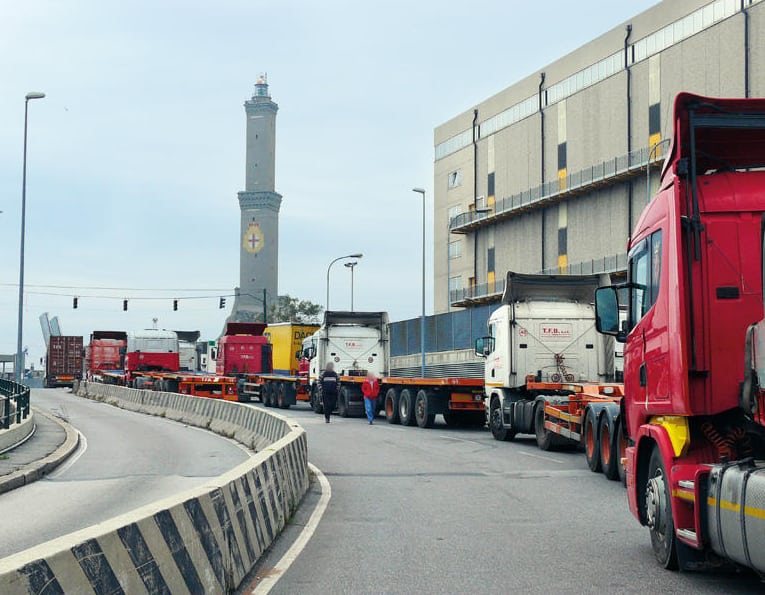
253, 239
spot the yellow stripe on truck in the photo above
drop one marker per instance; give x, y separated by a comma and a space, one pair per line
751, 511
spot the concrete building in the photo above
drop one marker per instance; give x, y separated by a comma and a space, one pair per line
550, 173
259, 204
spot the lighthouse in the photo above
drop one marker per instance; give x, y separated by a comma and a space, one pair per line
259, 204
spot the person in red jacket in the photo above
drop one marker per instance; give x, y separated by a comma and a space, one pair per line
370, 389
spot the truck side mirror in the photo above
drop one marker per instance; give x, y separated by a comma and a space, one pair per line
607, 313
484, 346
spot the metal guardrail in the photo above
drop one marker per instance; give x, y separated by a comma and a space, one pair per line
601, 174
14, 403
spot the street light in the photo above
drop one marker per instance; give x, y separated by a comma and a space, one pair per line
19, 353
351, 265
422, 319
330, 267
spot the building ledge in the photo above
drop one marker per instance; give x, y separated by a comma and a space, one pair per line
607, 173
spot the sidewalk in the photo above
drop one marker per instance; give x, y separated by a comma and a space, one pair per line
52, 442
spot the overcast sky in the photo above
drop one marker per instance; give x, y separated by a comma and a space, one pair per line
137, 152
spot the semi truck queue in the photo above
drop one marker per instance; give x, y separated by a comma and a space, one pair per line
683, 430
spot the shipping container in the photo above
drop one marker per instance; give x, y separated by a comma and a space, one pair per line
64, 361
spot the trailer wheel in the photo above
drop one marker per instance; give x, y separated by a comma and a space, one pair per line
498, 430
282, 396
546, 440
391, 406
453, 420
422, 408
621, 451
608, 456
265, 391
316, 403
342, 402
658, 513
591, 441
406, 407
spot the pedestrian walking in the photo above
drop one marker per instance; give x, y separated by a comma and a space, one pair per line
329, 381
370, 389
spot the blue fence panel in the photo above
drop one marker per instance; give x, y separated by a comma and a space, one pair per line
397, 338
413, 335
461, 329
431, 342
444, 332
478, 319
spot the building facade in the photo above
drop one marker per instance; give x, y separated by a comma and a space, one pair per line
259, 204
551, 174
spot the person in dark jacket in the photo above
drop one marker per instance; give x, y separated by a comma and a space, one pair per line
329, 381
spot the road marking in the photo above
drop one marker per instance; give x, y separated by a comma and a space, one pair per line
81, 448
460, 439
268, 582
544, 458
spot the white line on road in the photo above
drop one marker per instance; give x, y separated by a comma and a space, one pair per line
544, 458
268, 582
81, 448
460, 439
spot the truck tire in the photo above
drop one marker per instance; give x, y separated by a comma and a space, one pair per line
406, 407
266, 390
591, 440
621, 451
391, 406
498, 430
342, 402
283, 395
546, 440
658, 513
453, 420
422, 410
608, 456
316, 403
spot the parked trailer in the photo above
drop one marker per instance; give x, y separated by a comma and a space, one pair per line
694, 413
64, 360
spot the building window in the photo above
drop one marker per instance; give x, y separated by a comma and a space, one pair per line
490, 185
455, 178
455, 249
455, 283
454, 211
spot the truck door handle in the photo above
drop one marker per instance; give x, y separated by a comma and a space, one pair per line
643, 375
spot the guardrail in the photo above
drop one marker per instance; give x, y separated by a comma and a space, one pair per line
203, 540
15, 403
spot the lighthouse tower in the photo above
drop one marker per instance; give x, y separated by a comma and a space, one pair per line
259, 204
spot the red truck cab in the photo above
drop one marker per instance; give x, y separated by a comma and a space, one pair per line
243, 349
694, 288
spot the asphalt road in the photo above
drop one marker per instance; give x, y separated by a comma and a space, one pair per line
130, 460
454, 511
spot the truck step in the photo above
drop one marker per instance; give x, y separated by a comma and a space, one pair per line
688, 536
687, 484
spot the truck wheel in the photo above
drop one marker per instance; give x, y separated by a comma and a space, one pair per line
282, 397
406, 407
342, 402
608, 456
422, 408
546, 440
658, 513
266, 391
591, 441
498, 430
621, 451
316, 404
391, 406
453, 420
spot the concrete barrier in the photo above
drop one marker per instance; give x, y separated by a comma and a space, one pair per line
204, 540
17, 433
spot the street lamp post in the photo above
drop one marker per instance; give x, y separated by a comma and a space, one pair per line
357, 256
422, 319
19, 353
351, 265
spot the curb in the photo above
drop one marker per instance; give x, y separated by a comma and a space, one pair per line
41, 468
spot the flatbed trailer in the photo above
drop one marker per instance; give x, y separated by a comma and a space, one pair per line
273, 390
185, 383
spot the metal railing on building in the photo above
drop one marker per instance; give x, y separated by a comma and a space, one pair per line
14, 403
599, 175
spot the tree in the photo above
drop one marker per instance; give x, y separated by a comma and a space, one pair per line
291, 309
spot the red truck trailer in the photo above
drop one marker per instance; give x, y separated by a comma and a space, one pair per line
692, 395
64, 361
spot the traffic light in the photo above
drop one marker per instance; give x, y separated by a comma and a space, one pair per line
74, 302
124, 305
222, 303
175, 305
